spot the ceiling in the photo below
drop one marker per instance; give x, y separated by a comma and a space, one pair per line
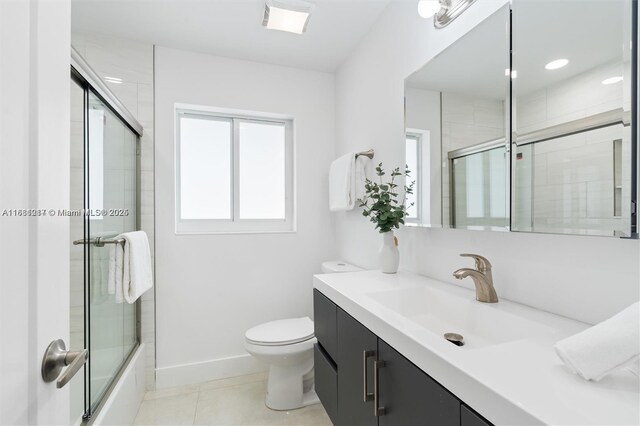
588, 33
473, 65
233, 28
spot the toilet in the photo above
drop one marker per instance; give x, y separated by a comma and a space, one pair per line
287, 346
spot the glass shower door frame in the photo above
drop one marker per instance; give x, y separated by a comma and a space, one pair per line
84, 79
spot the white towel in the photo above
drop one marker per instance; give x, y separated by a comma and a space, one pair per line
360, 175
135, 266
341, 179
346, 181
605, 347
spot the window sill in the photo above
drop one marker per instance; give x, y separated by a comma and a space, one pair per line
187, 233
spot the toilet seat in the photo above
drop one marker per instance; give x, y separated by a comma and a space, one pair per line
281, 332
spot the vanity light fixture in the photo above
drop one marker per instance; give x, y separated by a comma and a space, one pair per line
428, 8
612, 80
557, 64
287, 15
443, 11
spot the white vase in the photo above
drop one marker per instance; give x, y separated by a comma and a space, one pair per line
389, 254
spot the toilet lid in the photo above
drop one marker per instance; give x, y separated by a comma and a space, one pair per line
281, 332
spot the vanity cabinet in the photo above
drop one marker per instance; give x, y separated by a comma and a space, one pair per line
406, 394
468, 417
357, 348
409, 396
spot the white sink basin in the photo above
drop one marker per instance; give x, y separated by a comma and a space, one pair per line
481, 324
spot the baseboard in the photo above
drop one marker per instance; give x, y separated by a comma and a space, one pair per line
187, 374
124, 401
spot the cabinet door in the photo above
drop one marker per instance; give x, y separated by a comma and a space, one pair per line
324, 312
409, 396
326, 381
468, 417
354, 340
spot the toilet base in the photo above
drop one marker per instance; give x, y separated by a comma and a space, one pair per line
287, 391
309, 398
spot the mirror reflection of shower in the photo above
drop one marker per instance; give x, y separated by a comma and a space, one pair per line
575, 181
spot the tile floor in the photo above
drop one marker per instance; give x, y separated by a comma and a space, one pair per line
233, 401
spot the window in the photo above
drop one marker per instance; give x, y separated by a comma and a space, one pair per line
413, 161
234, 173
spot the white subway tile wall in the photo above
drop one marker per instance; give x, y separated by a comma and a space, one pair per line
571, 179
467, 121
130, 66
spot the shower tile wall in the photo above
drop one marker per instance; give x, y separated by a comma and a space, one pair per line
132, 63
571, 99
580, 165
467, 121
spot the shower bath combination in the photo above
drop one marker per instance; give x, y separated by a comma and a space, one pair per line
104, 179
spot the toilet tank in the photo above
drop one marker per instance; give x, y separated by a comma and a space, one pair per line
336, 266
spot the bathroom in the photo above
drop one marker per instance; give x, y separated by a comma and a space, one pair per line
342, 87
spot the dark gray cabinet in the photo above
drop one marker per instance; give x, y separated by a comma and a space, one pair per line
409, 396
346, 378
324, 311
468, 417
357, 347
326, 379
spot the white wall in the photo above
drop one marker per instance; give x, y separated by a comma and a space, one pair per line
212, 288
585, 278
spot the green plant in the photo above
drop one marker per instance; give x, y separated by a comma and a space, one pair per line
380, 203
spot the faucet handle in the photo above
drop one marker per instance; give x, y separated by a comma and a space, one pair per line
482, 263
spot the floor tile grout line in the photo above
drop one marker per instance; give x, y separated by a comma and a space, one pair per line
195, 412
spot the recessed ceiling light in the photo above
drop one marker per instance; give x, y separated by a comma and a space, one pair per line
428, 8
557, 64
115, 80
290, 15
612, 80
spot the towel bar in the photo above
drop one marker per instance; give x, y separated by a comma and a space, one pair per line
99, 242
368, 153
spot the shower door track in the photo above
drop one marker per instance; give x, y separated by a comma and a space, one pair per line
84, 70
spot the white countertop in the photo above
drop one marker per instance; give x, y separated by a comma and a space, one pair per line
516, 382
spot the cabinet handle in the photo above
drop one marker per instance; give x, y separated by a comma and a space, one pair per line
365, 356
377, 410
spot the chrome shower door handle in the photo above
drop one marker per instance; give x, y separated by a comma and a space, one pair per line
56, 357
365, 356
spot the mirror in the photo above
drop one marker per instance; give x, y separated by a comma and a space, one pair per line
456, 122
571, 111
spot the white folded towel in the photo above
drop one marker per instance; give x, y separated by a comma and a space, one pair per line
346, 181
135, 264
341, 178
360, 175
605, 347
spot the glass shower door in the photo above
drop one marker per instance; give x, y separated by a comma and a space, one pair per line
110, 202
479, 189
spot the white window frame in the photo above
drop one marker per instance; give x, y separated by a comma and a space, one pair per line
235, 224
416, 174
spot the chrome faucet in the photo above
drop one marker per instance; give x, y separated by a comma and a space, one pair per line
482, 278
